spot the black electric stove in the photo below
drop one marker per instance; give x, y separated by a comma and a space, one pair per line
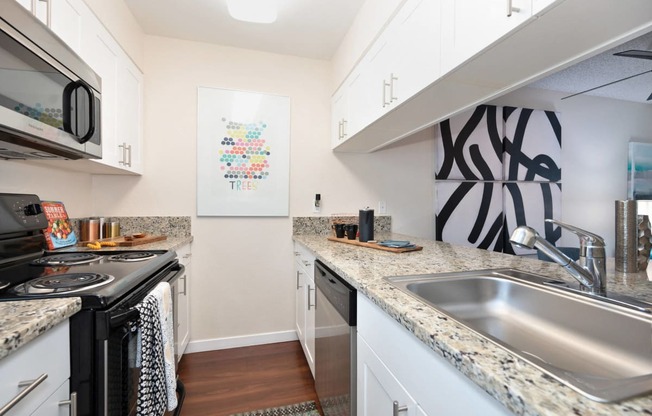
98, 278
104, 335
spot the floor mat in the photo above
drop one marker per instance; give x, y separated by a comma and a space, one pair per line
300, 409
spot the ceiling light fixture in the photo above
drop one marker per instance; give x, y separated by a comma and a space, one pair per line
256, 11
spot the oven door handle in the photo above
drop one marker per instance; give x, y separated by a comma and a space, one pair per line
120, 318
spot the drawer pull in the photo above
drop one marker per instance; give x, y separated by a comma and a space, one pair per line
398, 409
72, 403
29, 386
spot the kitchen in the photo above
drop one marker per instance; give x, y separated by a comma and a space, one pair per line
400, 174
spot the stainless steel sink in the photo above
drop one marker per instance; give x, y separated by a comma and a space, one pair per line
602, 350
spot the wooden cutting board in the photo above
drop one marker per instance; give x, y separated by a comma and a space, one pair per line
375, 245
121, 242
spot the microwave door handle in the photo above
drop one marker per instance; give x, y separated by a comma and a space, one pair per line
68, 91
91, 112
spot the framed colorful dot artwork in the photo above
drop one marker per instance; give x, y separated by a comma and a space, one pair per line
243, 153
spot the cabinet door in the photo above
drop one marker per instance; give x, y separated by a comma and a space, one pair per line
311, 292
416, 48
378, 390
130, 94
339, 116
183, 301
539, 5
101, 52
471, 25
301, 306
57, 404
66, 21
367, 89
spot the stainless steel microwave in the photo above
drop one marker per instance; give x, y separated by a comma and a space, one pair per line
50, 100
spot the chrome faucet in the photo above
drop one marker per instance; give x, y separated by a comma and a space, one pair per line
590, 270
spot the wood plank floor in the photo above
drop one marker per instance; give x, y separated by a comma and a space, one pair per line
220, 383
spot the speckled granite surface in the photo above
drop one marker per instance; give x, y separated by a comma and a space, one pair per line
22, 321
322, 225
170, 226
521, 387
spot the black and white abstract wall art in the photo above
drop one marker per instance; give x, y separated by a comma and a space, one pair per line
470, 213
497, 168
530, 203
532, 145
470, 145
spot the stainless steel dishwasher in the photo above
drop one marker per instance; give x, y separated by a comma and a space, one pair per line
335, 343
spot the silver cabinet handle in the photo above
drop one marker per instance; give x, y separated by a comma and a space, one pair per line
306, 263
129, 154
309, 304
72, 403
48, 19
123, 160
298, 285
344, 128
385, 85
511, 9
339, 130
184, 284
397, 409
29, 386
296, 253
392, 78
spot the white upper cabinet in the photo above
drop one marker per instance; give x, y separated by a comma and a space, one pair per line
130, 115
122, 99
66, 21
404, 59
451, 55
415, 49
472, 25
339, 116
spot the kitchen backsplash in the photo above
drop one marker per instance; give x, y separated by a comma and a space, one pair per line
322, 225
169, 226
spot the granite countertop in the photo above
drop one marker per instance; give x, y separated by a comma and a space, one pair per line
22, 321
518, 385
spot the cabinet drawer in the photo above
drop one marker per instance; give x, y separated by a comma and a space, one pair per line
305, 260
48, 354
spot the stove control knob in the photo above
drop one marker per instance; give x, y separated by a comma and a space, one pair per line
33, 209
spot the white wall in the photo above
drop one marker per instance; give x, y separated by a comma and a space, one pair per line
242, 267
73, 188
595, 133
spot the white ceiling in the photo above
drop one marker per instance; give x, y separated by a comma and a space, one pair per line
306, 28
606, 68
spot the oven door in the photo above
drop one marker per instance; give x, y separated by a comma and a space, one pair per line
118, 354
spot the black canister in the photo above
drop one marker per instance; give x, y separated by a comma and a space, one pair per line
366, 225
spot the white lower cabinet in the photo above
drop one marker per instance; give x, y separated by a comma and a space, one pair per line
45, 364
394, 366
304, 263
181, 293
380, 393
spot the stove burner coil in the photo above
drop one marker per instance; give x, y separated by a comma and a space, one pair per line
133, 256
66, 259
64, 283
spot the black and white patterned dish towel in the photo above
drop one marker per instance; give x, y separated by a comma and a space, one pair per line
154, 392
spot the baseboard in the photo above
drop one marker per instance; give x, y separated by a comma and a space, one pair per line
242, 341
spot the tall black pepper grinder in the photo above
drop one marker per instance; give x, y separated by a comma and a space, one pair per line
366, 225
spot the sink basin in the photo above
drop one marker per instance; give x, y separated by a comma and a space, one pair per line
602, 350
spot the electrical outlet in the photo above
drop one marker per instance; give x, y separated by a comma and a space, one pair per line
382, 207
